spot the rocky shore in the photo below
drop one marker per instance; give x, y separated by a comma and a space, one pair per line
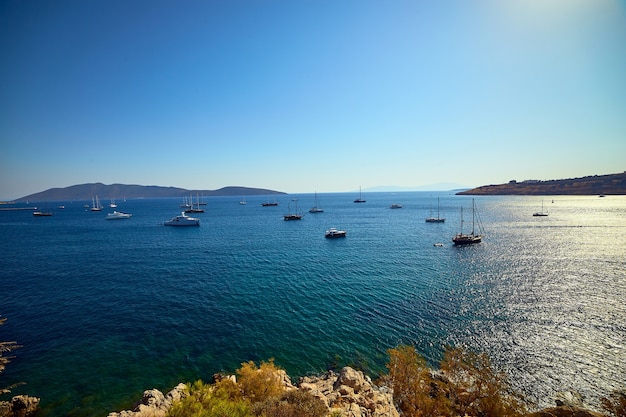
348, 393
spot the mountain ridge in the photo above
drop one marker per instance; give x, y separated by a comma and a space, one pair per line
131, 191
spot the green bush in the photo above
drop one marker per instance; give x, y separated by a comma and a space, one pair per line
206, 401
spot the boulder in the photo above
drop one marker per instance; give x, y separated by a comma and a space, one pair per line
565, 411
154, 403
19, 406
350, 393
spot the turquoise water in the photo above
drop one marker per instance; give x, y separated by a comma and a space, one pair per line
107, 309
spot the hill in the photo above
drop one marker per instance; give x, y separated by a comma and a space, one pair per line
119, 191
611, 184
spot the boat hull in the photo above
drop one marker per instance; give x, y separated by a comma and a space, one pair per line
433, 220
334, 234
462, 239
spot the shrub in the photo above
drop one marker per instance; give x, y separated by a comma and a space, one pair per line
415, 391
208, 401
475, 388
467, 386
295, 403
259, 383
615, 405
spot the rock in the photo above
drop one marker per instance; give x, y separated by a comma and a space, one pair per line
565, 411
350, 393
154, 403
19, 406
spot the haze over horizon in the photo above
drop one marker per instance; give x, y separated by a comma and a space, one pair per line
309, 96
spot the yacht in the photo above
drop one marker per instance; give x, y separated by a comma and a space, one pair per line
473, 237
295, 215
437, 219
183, 220
333, 233
360, 199
118, 215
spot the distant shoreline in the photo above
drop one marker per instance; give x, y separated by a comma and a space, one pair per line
611, 184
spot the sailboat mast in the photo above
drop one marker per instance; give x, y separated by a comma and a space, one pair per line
473, 216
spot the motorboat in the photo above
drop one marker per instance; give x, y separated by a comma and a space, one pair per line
395, 206
333, 233
41, 214
118, 215
183, 220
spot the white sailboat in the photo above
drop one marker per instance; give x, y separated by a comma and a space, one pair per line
95, 204
317, 208
540, 213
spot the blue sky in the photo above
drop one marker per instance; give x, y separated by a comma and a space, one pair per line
309, 95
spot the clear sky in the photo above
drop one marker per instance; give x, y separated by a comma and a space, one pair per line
309, 95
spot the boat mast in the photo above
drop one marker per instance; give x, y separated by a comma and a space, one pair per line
473, 216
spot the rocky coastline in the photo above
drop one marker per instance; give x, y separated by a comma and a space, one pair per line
347, 393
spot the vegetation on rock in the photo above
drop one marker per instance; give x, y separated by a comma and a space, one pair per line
465, 385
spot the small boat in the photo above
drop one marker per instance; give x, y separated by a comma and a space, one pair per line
471, 238
333, 233
540, 213
360, 199
118, 215
42, 214
182, 220
317, 208
395, 206
295, 215
437, 219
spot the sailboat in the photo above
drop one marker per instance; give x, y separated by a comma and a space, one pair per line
360, 199
269, 203
468, 239
191, 208
540, 213
437, 219
95, 204
295, 215
112, 203
243, 201
317, 208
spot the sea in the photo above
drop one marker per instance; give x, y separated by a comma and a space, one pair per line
104, 310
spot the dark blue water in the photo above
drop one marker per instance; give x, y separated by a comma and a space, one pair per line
107, 309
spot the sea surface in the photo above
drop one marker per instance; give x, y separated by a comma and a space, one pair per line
107, 309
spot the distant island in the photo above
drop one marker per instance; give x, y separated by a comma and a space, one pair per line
611, 184
122, 191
